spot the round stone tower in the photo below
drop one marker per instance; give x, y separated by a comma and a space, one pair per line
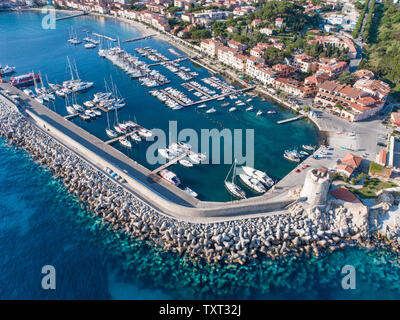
316, 186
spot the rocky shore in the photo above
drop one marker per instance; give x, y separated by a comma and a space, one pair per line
301, 229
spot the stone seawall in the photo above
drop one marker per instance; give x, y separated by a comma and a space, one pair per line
297, 231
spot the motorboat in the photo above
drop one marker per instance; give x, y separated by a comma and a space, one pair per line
125, 142
88, 104
249, 108
232, 109
307, 147
185, 163
252, 183
170, 177
211, 110
259, 175
190, 192
259, 113
6, 70
166, 153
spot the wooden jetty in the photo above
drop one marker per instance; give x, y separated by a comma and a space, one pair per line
70, 116
208, 99
198, 90
173, 161
290, 119
72, 16
139, 38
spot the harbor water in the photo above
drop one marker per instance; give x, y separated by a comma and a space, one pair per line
41, 224
46, 51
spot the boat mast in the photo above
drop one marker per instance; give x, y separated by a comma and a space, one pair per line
70, 68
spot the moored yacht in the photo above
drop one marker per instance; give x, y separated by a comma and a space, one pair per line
252, 183
170, 177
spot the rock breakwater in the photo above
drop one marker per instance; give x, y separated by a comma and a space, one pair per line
300, 230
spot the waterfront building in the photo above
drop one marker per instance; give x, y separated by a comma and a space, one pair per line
237, 45
375, 88
304, 63
293, 87
210, 46
350, 103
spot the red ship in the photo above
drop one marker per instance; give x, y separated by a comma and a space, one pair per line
25, 79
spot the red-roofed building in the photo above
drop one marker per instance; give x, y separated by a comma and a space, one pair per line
382, 157
395, 118
344, 194
352, 160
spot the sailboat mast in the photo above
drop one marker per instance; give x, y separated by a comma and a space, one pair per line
70, 68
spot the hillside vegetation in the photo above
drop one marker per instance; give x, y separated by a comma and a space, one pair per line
382, 54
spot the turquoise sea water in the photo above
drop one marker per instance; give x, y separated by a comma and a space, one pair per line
40, 224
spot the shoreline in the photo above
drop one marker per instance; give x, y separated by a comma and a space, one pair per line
296, 231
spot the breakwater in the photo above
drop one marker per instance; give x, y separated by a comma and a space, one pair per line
299, 230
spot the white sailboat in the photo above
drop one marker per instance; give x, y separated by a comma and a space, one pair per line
233, 188
111, 133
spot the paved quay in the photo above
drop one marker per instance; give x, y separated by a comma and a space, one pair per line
167, 199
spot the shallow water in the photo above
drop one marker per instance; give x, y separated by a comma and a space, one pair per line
40, 224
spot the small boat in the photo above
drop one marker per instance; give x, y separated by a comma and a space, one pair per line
211, 110
166, 153
190, 192
201, 106
6, 70
232, 109
89, 45
307, 147
96, 112
111, 133
249, 108
170, 177
271, 112
259, 175
303, 153
135, 137
196, 158
249, 100
259, 113
144, 133
186, 163
84, 117
221, 98
233, 188
88, 104
70, 109
125, 142
252, 183
225, 104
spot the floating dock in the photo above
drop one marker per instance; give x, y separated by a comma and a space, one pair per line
290, 119
72, 16
140, 38
173, 161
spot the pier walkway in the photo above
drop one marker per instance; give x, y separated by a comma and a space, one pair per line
139, 38
72, 16
170, 163
291, 119
211, 98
